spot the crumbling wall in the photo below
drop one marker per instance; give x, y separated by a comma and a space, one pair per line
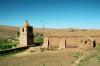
45, 42
54, 42
62, 43
67, 42
87, 43
72, 41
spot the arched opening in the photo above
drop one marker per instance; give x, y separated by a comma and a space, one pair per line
48, 44
94, 44
65, 44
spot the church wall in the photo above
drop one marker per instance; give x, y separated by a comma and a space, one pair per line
54, 42
23, 37
72, 40
45, 42
63, 42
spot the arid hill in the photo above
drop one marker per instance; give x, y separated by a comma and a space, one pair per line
53, 32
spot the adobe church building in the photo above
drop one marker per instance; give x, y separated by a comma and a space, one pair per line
77, 39
63, 42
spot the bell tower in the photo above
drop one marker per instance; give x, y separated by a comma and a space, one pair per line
26, 35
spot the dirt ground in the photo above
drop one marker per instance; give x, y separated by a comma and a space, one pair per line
34, 57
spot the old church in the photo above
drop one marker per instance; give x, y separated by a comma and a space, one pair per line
57, 41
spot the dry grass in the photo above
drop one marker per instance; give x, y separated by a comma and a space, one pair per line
92, 58
38, 58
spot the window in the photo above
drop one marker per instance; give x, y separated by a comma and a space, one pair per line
22, 29
85, 41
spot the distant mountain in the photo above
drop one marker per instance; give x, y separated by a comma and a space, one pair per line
40, 30
8, 28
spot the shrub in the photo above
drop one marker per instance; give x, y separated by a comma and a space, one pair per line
38, 39
4, 44
7, 43
43, 49
98, 58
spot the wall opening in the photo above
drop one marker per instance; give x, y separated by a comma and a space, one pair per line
22, 29
94, 44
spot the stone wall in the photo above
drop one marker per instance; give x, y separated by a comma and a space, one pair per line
54, 42
45, 42
87, 43
64, 41
23, 37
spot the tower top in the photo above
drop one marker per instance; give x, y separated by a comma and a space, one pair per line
26, 24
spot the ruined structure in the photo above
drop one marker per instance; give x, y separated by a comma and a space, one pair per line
87, 43
63, 42
60, 41
26, 35
54, 42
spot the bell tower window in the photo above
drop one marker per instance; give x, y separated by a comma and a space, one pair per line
22, 29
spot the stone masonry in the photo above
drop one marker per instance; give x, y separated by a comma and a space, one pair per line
26, 35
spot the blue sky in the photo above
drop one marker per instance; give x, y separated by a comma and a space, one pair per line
51, 13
